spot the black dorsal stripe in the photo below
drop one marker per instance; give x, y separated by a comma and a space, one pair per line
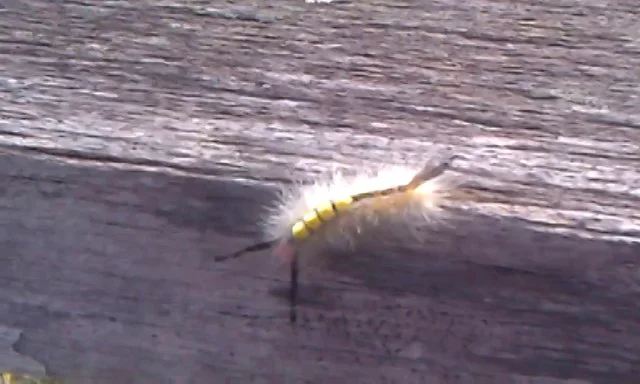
380, 193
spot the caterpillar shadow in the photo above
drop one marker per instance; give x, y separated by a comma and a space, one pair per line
479, 258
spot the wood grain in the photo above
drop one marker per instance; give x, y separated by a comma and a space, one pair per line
140, 138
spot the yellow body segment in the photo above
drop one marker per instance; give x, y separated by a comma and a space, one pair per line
313, 220
343, 203
326, 211
299, 231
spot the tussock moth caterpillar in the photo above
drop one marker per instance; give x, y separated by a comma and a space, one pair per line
339, 211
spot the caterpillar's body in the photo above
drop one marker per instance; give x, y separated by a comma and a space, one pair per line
339, 212
311, 221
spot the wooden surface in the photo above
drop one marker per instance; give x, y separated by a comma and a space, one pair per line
139, 138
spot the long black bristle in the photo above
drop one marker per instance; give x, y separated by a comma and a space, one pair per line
293, 291
252, 248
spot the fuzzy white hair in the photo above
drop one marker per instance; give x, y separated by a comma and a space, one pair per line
402, 213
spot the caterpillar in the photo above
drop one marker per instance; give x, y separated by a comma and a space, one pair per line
341, 210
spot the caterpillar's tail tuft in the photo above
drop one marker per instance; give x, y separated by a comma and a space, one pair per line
429, 172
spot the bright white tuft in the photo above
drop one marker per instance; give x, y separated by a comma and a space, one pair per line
402, 213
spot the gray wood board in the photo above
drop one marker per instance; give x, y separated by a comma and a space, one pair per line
140, 138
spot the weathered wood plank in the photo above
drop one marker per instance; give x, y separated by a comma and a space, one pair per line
139, 138
11, 360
